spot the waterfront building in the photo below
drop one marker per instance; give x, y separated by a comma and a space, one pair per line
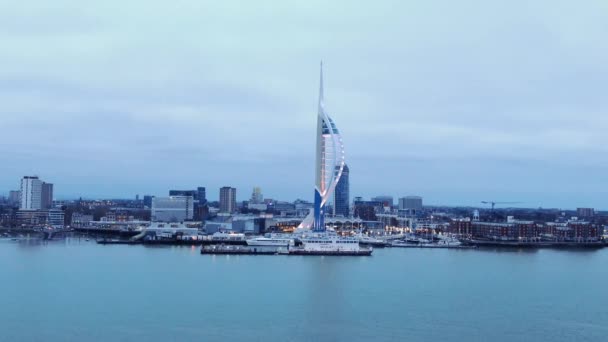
518, 230
328, 166
248, 225
172, 208
461, 226
30, 218
214, 227
80, 220
56, 218
227, 199
509, 231
33, 218
342, 195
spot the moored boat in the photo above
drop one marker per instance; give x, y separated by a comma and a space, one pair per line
327, 243
224, 238
270, 242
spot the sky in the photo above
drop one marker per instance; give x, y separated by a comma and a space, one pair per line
455, 101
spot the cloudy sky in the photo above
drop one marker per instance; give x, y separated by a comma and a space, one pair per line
457, 101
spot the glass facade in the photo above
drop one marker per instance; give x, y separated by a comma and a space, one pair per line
342, 195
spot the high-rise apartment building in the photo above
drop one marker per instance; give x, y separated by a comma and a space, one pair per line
30, 193
227, 199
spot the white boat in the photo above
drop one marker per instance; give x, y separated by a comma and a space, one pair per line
370, 241
329, 243
449, 242
229, 238
221, 236
270, 241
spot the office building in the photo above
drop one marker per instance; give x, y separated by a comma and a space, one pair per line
201, 195
387, 201
329, 164
342, 195
227, 199
30, 218
412, 203
148, 201
46, 196
56, 218
13, 197
191, 193
172, 209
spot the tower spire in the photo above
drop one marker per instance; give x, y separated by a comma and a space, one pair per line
321, 98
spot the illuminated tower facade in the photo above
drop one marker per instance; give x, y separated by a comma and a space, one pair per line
329, 164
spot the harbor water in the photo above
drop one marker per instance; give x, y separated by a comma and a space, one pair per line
77, 290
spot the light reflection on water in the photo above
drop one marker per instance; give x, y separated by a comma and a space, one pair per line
72, 289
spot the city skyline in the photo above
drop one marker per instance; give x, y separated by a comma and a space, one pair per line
487, 102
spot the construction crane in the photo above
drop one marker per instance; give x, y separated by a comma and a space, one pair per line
492, 203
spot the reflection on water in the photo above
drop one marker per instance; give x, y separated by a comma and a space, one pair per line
74, 289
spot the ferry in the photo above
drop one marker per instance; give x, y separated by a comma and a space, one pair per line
329, 244
270, 242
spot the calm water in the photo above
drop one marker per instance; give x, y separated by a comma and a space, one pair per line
76, 290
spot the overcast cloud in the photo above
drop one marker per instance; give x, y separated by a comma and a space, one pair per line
457, 101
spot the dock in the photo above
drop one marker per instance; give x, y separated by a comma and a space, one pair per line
363, 252
118, 242
248, 250
240, 250
446, 246
535, 244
